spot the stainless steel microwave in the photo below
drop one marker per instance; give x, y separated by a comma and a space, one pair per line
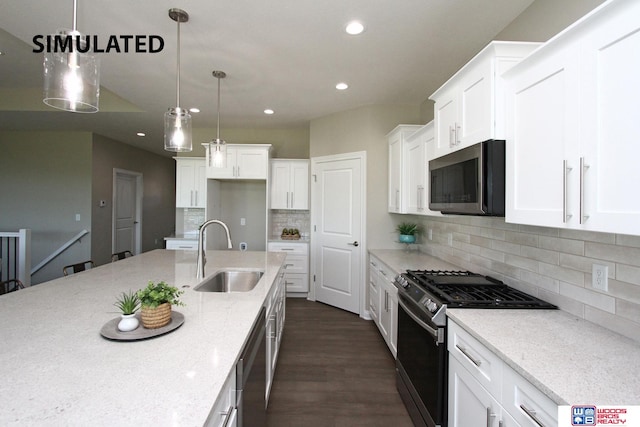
469, 181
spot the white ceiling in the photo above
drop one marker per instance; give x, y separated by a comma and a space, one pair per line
286, 55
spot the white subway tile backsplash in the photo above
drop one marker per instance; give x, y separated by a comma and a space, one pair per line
553, 264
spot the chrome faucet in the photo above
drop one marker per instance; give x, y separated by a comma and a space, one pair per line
201, 257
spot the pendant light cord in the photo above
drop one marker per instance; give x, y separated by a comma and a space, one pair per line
178, 70
218, 137
75, 15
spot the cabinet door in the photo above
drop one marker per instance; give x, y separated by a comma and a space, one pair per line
299, 185
200, 184
609, 122
395, 171
542, 138
227, 172
469, 403
280, 173
185, 184
477, 105
414, 193
296, 282
445, 116
252, 163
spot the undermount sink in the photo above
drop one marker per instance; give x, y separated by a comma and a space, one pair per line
231, 281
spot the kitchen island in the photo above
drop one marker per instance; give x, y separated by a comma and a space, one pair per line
56, 368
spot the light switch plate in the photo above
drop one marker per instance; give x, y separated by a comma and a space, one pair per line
599, 277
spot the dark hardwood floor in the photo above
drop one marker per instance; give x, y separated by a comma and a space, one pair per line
334, 370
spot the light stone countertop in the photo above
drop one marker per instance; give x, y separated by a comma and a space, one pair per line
571, 360
57, 370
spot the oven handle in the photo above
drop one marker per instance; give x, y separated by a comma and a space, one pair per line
436, 333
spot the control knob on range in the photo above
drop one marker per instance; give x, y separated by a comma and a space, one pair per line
402, 281
431, 305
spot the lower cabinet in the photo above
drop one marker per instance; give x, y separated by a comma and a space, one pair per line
225, 412
296, 277
181, 244
383, 302
276, 313
483, 390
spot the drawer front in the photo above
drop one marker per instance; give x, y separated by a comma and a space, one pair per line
485, 366
528, 405
296, 264
180, 244
224, 410
290, 248
296, 282
373, 301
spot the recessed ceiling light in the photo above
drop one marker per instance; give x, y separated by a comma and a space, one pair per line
354, 28
194, 110
269, 111
141, 134
342, 86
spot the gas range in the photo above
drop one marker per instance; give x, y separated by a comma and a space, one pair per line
433, 291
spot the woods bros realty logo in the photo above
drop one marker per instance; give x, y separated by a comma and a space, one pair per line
592, 415
69, 43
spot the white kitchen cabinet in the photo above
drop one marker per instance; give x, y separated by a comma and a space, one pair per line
244, 161
296, 266
275, 312
386, 302
483, 387
176, 244
469, 107
396, 140
289, 184
415, 153
191, 182
225, 412
572, 126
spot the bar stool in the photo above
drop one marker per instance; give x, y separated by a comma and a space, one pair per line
77, 268
10, 285
121, 255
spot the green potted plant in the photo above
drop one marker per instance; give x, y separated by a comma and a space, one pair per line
408, 232
156, 301
128, 304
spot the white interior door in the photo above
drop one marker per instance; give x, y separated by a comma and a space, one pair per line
126, 211
337, 211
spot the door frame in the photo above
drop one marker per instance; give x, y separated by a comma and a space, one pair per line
362, 157
139, 187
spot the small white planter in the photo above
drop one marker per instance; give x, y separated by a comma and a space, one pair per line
129, 322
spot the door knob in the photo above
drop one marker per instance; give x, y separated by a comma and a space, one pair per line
354, 243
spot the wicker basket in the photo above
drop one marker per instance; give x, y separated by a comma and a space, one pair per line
290, 237
154, 318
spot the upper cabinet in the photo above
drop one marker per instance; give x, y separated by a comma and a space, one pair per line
415, 154
191, 182
469, 107
289, 184
396, 139
573, 131
244, 161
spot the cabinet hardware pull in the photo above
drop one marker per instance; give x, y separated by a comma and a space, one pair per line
397, 200
583, 167
288, 265
490, 415
238, 170
458, 132
287, 199
531, 414
196, 193
464, 351
451, 136
227, 417
565, 170
292, 199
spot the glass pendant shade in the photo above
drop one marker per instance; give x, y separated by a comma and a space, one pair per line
218, 153
72, 78
177, 130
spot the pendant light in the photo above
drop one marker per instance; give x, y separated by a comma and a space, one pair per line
177, 121
72, 78
218, 147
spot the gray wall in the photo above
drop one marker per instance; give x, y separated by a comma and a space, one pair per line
46, 181
158, 218
365, 129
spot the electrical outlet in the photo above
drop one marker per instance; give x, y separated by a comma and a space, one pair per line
430, 234
599, 277
450, 239
243, 221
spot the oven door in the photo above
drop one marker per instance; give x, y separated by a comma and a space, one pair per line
421, 365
